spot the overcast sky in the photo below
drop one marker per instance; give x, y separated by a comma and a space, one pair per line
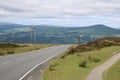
61, 12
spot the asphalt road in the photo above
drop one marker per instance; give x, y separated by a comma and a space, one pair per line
13, 67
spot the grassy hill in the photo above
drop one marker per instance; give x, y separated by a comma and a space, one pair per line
55, 34
77, 62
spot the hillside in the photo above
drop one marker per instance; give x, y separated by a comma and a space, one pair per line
55, 34
6, 26
78, 62
95, 45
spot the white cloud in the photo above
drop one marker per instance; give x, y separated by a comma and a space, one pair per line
39, 8
60, 9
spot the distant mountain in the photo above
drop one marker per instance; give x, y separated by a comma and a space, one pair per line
5, 26
4, 23
54, 34
99, 29
118, 28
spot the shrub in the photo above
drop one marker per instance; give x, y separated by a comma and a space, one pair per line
95, 60
71, 51
63, 56
91, 59
83, 64
1, 53
10, 52
52, 66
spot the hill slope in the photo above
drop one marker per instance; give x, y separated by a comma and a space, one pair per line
55, 34
71, 66
95, 45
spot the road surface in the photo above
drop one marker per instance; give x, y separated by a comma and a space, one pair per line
97, 73
13, 67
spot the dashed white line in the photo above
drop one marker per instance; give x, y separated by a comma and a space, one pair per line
5, 63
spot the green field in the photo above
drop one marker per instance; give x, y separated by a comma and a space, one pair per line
15, 48
69, 69
113, 73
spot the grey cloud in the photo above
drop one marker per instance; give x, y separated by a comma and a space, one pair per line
58, 8
11, 9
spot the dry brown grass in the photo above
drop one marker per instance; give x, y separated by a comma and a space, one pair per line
14, 48
95, 45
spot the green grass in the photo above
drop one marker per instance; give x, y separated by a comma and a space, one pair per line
69, 69
113, 73
12, 48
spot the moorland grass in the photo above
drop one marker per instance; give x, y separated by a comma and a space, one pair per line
68, 67
15, 48
113, 73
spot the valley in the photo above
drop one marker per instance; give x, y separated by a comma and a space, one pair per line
54, 34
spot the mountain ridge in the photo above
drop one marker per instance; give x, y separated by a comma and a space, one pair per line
98, 25
55, 34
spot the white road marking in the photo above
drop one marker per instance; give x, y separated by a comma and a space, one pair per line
36, 67
5, 63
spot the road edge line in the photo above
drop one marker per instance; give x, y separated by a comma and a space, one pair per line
36, 67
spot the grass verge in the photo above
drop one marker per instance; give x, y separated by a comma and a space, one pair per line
69, 68
113, 73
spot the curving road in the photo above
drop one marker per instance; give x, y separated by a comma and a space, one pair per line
97, 73
13, 67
